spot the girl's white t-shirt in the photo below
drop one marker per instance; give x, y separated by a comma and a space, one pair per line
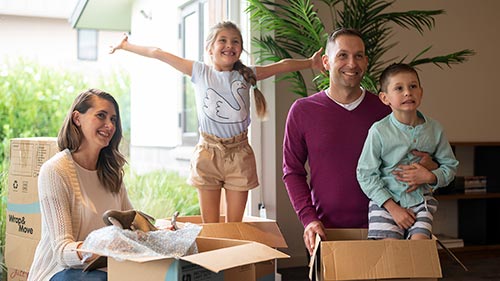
222, 100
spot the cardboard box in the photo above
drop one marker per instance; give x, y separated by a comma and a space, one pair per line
254, 229
347, 255
23, 221
218, 259
19, 252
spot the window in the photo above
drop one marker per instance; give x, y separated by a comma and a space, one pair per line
192, 32
87, 44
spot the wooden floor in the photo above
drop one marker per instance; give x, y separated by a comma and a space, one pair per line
483, 263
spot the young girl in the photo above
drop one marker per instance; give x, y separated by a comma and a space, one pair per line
223, 157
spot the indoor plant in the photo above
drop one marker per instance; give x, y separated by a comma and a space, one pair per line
292, 27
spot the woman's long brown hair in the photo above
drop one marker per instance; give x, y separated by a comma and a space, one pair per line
110, 162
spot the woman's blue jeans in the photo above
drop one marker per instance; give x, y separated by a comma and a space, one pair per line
72, 274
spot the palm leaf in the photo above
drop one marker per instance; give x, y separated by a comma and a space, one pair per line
448, 60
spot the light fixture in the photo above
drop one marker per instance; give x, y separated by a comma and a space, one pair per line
146, 15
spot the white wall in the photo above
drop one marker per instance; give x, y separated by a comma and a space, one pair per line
37, 8
53, 42
462, 98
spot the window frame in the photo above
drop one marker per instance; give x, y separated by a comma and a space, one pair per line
195, 7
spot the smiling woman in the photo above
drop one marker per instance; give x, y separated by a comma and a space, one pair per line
78, 184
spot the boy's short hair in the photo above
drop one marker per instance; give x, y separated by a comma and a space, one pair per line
392, 70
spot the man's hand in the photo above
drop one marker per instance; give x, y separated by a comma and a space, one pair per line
426, 160
313, 228
414, 175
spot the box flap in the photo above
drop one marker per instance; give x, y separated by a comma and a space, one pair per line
196, 219
314, 257
265, 232
358, 260
254, 229
225, 258
218, 254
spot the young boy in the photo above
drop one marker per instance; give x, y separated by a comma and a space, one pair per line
400, 189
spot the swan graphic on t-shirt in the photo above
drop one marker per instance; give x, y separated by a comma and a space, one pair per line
219, 109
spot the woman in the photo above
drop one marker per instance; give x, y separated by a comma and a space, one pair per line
77, 185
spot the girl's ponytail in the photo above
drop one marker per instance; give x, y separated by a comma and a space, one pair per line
260, 100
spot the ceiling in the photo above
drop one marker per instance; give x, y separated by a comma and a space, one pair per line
112, 15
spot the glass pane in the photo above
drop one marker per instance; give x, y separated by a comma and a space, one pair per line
190, 121
191, 44
87, 44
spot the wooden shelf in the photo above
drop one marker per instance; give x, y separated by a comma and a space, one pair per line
457, 196
479, 143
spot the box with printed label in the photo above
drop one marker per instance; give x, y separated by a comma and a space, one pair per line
23, 221
347, 255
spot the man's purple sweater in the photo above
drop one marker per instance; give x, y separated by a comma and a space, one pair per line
331, 139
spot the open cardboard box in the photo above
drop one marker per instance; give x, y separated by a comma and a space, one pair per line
347, 255
255, 229
217, 259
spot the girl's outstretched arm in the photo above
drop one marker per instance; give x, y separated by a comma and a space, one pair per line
183, 65
290, 65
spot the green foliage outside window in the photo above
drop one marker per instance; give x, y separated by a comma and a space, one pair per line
33, 102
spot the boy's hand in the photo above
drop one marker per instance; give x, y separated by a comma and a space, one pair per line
404, 218
112, 49
316, 60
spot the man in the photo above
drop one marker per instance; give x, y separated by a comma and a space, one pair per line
328, 129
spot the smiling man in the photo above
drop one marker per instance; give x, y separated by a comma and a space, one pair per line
328, 130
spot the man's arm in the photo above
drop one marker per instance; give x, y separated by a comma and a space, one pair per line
295, 154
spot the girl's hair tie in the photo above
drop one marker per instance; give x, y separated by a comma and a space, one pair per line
254, 87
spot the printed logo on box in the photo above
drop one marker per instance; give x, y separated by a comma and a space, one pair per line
21, 222
15, 185
24, 188
16, 274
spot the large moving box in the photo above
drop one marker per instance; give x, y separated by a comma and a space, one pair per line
23, 225
347, 255
218, 259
